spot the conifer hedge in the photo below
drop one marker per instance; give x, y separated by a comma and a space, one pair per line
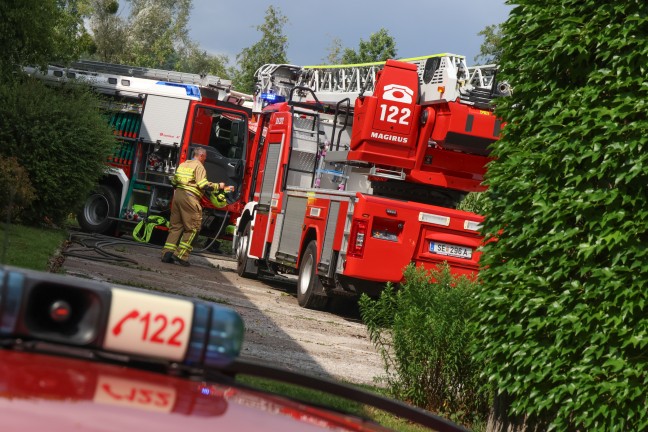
564, 292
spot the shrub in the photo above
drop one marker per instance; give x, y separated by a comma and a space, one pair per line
424, 333
59, 137
475, 202
16, 191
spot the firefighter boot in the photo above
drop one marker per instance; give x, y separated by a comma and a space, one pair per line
168, 257
184, 263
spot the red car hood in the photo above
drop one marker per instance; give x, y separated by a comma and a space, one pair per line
51, 393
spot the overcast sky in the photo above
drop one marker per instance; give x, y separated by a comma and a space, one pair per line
419, 27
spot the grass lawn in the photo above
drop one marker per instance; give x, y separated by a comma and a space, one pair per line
29, 247
323, 399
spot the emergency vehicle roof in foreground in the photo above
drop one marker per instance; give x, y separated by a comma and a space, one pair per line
44, 392
86, 356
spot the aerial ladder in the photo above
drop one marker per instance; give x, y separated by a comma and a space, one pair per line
134, 82
442, 77
452, 103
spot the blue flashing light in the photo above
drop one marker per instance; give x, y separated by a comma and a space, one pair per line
10, 304
272, 97
216, 336
225, 337
199, 331
190, 89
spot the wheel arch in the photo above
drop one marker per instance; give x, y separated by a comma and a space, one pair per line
116, 179
309, 235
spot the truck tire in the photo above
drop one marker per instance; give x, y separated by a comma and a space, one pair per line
310, 292
245, 266
98, 208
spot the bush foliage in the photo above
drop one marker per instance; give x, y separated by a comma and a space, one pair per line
475, 202
16, 191
424, 333
565, 338
60, 138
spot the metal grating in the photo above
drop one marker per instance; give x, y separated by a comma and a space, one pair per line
272, 165
327, 247
302, 161
293, 219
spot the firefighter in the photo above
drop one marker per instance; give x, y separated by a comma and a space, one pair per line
190, 181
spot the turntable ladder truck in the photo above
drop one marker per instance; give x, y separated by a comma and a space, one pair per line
159, 116
353, 180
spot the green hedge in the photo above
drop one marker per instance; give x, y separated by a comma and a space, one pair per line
563, 294
424, 332
16, 190
60, 138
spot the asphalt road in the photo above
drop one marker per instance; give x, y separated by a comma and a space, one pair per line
331, 344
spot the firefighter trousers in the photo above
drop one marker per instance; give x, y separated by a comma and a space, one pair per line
186, 218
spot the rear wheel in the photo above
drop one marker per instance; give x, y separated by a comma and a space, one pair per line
245, 267
310, 292
98, 209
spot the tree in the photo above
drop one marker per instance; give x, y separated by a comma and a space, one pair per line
156, 31
334, 55
564, 322
39, 31
380, 47
155, 34
196, 60
490, 50
270, 49
110, 31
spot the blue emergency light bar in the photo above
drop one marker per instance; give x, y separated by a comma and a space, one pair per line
190, 89
144, 325
272, 97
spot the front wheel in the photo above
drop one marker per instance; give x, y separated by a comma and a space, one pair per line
98, 209
310, 292
245, 266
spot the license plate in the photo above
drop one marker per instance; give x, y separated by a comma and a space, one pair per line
450, 250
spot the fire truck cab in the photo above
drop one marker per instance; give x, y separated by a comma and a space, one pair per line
159, 117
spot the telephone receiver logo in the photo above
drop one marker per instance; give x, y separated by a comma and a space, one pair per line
398, 93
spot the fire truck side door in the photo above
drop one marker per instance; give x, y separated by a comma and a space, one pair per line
226, 151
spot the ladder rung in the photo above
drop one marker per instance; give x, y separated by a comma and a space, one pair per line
308, 131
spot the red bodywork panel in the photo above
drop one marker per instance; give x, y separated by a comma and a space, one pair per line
277, 135
396, 237
445, 144
386, 124
58, 394
454, 147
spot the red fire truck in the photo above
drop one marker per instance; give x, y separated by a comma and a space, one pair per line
358, 170
158, 117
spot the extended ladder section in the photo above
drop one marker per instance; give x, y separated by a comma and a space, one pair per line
134, 82
442, 78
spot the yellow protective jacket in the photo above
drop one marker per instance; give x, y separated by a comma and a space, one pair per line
191, 176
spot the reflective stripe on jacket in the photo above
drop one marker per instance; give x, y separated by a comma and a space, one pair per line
191, 176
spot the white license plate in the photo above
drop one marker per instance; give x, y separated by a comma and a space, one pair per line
450, 250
